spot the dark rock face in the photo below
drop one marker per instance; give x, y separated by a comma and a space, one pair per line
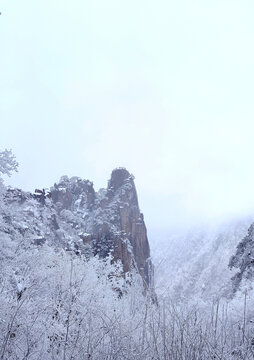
73, 216
110, 220
130, 222
68, 191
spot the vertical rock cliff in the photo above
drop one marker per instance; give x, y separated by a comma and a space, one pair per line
109, 221
121, 193
72, 215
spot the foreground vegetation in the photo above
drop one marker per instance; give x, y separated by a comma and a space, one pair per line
55, 305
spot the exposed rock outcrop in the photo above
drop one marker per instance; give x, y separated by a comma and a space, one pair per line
72, 215
111, 218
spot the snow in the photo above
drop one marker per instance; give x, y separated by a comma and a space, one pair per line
19, 287
60, 301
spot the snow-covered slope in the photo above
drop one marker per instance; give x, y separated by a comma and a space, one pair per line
195, 264
62, 297
243, 261
72, 216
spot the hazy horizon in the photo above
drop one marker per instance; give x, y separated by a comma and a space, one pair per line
164, 89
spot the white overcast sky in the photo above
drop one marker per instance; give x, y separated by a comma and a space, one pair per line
164, 88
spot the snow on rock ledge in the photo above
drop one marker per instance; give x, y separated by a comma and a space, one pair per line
73, 216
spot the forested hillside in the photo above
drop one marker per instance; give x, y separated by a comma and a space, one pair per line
76, 279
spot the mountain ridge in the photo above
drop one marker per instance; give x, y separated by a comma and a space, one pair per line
74, 216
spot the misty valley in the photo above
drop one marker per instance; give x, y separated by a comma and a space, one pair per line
126, 180
78, 280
